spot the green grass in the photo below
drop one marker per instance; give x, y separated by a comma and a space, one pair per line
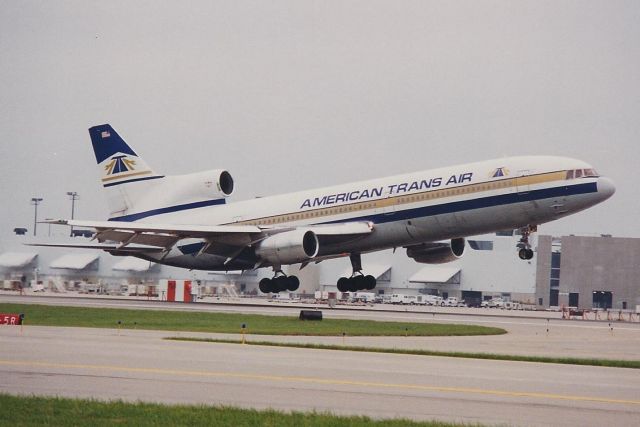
197, 321
612, 363
37, 411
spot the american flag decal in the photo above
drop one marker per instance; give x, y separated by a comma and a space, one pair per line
105, 134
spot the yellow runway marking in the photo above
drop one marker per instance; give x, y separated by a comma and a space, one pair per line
312, 380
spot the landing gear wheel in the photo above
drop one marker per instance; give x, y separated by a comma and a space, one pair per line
369, 282
265, 285
525, 254
358, 283
293, 283
343, 284
280, 283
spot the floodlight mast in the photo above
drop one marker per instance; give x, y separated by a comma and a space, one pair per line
74, 196
35, 201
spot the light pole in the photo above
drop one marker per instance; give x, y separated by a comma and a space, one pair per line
74, 196
35, 201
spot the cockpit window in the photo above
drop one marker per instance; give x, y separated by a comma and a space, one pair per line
582, 173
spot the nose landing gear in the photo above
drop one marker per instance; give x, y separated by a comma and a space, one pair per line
524, 246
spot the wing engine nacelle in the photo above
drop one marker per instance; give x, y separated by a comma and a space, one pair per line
289, 247
437, 253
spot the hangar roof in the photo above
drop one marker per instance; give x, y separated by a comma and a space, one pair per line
74, 261
133, 264
17, 259
434, 274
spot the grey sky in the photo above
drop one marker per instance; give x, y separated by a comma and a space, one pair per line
289, 95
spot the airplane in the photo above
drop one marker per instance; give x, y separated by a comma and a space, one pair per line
185, 220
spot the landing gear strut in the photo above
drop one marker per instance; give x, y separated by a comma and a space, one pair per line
524, 247
280, 282
358, 281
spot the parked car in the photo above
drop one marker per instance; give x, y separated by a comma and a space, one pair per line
493, 303
452, 302
434, 299
403, 299
422, 299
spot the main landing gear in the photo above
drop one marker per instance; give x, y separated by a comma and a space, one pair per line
280, 282
358, 281
524, 247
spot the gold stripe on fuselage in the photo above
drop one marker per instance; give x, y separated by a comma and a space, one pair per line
410, 198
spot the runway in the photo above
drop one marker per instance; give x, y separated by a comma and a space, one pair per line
140, 365
530, 336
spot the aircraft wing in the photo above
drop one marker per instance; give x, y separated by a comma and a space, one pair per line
186, 230
225, 240
133, 249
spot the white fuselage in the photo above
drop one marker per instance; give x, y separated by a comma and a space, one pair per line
409, 209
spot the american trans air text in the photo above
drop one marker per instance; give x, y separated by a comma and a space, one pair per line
393, 189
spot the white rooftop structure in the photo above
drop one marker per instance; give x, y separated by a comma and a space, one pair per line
435, 274
17, 259
133, 264
74, 261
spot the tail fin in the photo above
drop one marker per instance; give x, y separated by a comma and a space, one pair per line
125, 176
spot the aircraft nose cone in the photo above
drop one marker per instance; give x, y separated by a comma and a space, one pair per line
606, 188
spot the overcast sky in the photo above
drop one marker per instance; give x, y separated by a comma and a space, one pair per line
289, 95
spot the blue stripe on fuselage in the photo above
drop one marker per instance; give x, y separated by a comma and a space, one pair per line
133, 180
482, 202
170, 209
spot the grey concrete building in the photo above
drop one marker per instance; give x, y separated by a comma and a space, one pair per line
588, 272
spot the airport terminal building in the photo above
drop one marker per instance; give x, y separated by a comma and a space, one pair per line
573, 271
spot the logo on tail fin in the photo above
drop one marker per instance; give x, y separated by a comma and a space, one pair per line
119, 164
117, 161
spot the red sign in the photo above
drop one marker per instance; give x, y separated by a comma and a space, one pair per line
11, 319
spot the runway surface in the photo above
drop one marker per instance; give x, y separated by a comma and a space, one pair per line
529, 336
140, 365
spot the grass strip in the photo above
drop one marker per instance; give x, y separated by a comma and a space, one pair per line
56, 411
611, 363
199, 321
